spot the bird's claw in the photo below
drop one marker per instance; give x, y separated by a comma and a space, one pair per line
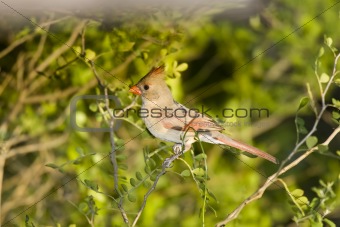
168, 161
178, 149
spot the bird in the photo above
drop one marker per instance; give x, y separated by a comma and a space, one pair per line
171, 121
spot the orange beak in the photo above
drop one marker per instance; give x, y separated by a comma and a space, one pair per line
135, 90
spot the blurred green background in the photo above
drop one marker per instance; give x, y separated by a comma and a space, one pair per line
260, 55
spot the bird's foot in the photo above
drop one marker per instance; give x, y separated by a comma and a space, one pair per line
168, 161
178, 149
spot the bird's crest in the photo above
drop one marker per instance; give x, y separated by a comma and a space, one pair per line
157, 72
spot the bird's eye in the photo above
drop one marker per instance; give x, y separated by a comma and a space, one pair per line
146, 87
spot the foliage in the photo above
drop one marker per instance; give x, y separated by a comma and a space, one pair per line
54, 175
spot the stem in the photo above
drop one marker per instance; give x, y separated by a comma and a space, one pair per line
166, 164
258, 194
283, 167
113, 146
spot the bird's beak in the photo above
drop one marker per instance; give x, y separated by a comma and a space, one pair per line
135, 90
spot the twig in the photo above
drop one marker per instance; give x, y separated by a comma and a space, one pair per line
52, 143
283, 167
16, 43
39, 50
166, 164
112, 142
334, 73
3, 154
5, 82
31, 86
62, 94
258, 194
64, 47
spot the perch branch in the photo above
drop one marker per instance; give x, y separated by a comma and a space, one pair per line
272, 179
166, 164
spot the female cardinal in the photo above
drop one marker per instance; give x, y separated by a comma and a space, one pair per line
171, 121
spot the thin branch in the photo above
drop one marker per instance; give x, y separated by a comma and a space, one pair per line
60, 94
273, 178
113, 159
16, 43
3, 154
39, 50
31, 86
52, 143
166, 164
283, 167
5, 82
54, 55
334, 73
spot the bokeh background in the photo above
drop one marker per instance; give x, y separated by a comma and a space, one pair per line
218, 54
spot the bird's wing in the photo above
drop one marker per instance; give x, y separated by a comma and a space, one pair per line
185, 120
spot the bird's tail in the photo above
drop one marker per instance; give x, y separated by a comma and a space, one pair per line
244, 147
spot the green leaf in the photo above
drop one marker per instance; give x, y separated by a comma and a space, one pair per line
315, 203
27, 218
303, 102
80, 151
300, 121
153, 177
139, 175
212, 195
311, 141
82, 206
164, 52
91, 185
199, 172
121, 157
147, 170
337, 82
329, 222
182, 67
132, 198
122, 166
77, 161
90, 54
302, 200
321, 52
200, 156
77, 50
328, 41
255, 22
322, 148
336, 115
199, 178
51, 165
146, 184
300, 125
133, 182
324, 78
336, 102
185, 173
127, 46
93, 107
124, 187
150, 162
297, 193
